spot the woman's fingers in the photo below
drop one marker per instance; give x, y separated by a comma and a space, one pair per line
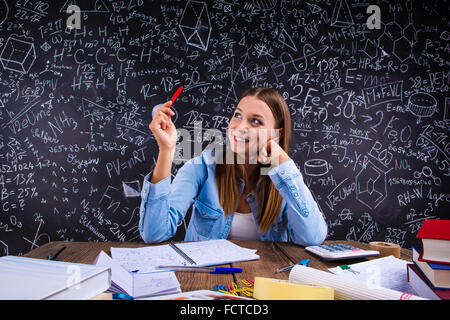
269, 152
167, 104
163, 118
166, 108
264, 149
163, 128
263, 154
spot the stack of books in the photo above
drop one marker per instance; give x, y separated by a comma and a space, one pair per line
24, 278
429, 274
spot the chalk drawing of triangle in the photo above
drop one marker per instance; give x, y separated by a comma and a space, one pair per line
313, 8
342, 16
129, 189
286, 39
308, 49
195, 40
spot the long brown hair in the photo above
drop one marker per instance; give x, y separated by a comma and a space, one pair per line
227, 175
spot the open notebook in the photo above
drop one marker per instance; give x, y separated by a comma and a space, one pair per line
138, 285
204, 253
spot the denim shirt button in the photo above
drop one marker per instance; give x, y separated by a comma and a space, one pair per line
282, 172
296, 194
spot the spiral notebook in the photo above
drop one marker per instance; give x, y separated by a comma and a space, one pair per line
202, 253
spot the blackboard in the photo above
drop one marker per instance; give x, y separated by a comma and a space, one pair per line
370, 106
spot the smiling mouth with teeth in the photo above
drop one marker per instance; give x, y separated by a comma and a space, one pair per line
239, 139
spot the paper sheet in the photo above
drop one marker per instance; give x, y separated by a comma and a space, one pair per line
346, 288
388, 272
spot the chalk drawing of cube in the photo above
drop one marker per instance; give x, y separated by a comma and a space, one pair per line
195, 24
18, 55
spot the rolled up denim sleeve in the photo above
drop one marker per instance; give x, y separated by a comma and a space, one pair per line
306, 224
164, 204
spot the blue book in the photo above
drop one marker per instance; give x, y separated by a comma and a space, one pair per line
437, 274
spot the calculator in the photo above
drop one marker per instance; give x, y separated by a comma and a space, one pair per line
340, 251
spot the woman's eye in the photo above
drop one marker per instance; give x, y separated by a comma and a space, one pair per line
237, 115
256, 122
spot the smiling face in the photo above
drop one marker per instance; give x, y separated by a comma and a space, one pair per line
250, 127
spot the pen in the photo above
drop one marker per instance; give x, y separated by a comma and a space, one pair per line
181, 252
304, 262
216, 270
176, 94
53, 256
121, 296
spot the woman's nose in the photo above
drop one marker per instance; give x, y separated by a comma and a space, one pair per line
242, 126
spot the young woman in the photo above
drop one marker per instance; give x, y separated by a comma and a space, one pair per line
233, 199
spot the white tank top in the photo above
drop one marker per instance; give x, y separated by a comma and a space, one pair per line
243, 227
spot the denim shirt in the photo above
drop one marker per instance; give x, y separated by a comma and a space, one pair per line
164, 205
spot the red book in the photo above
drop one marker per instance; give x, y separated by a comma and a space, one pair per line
435, 235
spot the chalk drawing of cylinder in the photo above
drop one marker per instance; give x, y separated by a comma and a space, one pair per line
447, 109
316, 167
422, 105
18, 55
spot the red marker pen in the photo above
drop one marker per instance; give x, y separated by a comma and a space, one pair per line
176, 94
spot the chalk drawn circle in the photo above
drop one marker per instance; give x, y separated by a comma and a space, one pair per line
175, 117
3, 11
422, 104
316, 167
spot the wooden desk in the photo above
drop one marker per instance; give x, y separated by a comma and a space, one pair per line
273, 255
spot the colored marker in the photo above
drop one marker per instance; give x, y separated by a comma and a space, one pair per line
216, 270
53, 256
176, 94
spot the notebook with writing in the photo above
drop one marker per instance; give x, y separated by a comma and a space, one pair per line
203, 253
